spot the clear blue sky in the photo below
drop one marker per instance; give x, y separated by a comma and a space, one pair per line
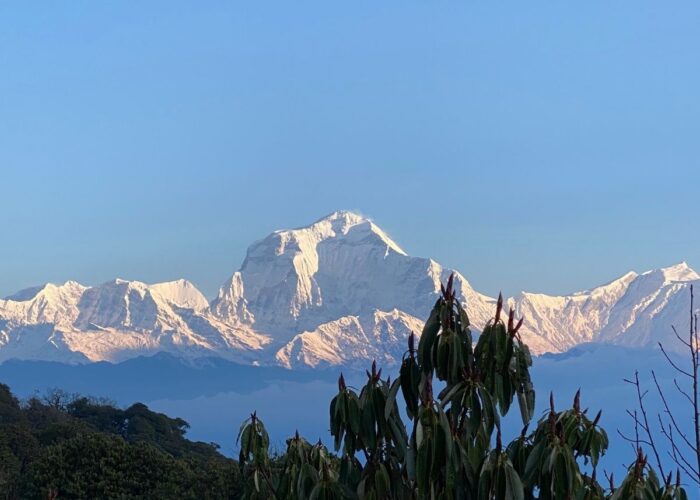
531, 145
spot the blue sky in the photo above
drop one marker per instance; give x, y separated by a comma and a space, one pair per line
536, 146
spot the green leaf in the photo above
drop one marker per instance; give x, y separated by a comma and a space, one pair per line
446, 432
391, 399
514, 486
381, 481
534, 460
411, 463
256, 480
427, 338
353, 404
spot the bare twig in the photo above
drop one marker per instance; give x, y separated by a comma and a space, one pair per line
610, 479
682, 448
676, 451
679, 337
676, 455
694, 345
644, 424
675, 382
669, 413
670, 361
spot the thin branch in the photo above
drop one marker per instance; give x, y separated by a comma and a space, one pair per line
678, 457
679, 337
687, 472
609, 477
675, 382
633, 441
694, 346
647, 429
669, 413
672, 363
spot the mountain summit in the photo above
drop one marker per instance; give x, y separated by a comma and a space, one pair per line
339, 291
341, 269
341, 264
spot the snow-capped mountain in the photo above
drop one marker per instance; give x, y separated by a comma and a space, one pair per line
115, 321
652, 303
339, 291
634, 310
342, 265
352, 340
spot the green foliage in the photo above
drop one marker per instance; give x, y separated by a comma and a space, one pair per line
80, 448
454, 449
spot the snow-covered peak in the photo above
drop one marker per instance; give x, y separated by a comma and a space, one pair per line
26, 293
49, 290
291, 275
341, 220
679, 273
133, 304
48, 303
613, 287
352, 340
117, 304
341, 265
633, 309
181, 293
653, 302
336, 225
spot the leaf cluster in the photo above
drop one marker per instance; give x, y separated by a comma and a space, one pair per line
452, 447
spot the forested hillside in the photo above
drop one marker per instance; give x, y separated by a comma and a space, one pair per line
76, 447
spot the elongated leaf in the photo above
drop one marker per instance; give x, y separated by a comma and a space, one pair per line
427, 338
514, 486
391, 399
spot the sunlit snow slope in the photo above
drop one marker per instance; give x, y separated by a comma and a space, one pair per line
339, 291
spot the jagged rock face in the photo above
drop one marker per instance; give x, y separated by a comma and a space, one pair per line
119, 304
342, 265
352, 340
565, 321
45, 304
115, 321
635, 310
339, 291
652, 304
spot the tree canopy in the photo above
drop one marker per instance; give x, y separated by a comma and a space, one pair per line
75, 447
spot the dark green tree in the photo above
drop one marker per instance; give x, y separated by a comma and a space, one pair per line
75, 447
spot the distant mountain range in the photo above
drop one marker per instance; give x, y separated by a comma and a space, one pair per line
337, 292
